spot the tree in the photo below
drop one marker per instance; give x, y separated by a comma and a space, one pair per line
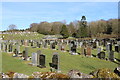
12, 27
33, 27
71, 29
109, 28
82, 31
64, 32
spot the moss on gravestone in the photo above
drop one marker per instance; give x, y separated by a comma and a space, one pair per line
104, 73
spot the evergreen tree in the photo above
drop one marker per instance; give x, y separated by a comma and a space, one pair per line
82, 31
64, 32
109, 28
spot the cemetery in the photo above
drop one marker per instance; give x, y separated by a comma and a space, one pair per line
64, 57
60, 40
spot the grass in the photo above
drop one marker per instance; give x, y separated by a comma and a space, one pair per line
22, 36
67, 62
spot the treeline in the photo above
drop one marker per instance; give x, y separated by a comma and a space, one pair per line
77, 29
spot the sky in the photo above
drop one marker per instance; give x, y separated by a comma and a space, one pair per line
22, 14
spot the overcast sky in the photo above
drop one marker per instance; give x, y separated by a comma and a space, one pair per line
22, 14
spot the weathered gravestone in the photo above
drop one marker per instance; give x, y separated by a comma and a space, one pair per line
111, 56
62, 47
109, 47
18, 47
6, 47
83, 50
101, 55
26, 42
53, 45
25, 53
55, 62
10, 47
88, 51
116, 47
45, 44
41, 61
94, 45
34, 59
73, 48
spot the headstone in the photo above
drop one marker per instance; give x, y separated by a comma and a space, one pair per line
55, 61
38, 53
62, 47
10, 47
34, 59
6, 47
94, 45
26, 43
18, 47
88, 51
111, 56
101, 55
53, 45
41, 61
116, 48
45, 44
83, 50
26, 53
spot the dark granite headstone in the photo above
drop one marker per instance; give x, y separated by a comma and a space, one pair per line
111, 55
101, 55
117, 48
41, 61
55, 61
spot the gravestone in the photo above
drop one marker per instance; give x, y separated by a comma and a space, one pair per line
26, 53
34, 59
55, 62
6, 47
10, 47
111, 56
73, 49
18, 47
62, 47
45, 44
41, 61
38, 53
116, 47
83, 50
37, 44
94, 45
88, 51
53, 45
26, 43
101, 55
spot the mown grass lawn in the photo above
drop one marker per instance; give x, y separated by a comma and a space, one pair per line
22, 36
67, 62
